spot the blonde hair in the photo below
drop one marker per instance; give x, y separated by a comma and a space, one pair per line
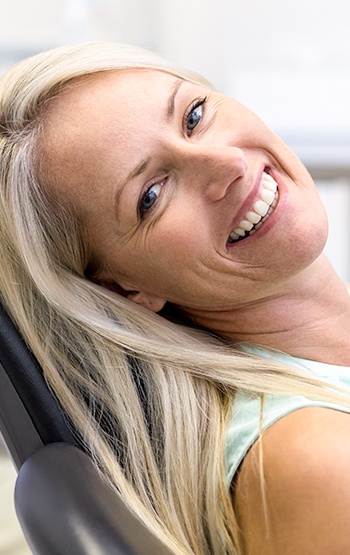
150, 398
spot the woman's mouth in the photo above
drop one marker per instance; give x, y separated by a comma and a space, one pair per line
259, 212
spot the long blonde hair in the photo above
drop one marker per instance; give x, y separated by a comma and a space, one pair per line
150, 398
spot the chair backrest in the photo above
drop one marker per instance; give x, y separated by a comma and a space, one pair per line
30, 416
63, 504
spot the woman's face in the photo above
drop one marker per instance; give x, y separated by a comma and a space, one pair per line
163, 173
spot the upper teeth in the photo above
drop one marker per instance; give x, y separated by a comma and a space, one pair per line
260, 211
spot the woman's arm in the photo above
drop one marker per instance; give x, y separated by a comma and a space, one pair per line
307, 483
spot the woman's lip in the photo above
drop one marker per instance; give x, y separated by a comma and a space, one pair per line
270, 222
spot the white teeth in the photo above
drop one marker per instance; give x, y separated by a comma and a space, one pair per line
261, 210
234, 236
239, 231
268, 177
270, 185
267, 196
275, 200
252, 217
246, 225
261, 207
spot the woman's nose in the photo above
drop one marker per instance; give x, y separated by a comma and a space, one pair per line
214, 170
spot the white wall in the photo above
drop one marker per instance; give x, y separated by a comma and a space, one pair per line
27, 26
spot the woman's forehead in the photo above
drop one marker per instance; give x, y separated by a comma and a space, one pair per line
145, 83
111, 102
99, 123
111, 107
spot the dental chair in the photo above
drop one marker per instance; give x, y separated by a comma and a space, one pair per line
63, 505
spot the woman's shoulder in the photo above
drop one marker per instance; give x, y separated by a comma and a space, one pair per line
303, 502
252, 414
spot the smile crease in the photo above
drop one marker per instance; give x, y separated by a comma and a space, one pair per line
260, 211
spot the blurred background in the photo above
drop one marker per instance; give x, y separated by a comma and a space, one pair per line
288, 61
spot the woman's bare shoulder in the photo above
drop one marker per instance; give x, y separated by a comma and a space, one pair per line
307, 486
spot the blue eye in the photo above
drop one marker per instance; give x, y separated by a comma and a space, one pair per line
195, 115
149, 198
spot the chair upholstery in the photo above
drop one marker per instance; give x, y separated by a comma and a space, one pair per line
63, 504
30, 416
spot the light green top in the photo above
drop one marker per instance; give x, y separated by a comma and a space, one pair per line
244, 425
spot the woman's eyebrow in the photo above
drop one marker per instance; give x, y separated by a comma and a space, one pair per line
138, 170
142, 166
172, 97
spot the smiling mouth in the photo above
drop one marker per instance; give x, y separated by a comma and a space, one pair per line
259, 212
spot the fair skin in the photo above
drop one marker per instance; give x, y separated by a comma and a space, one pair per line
161, 172
306, 462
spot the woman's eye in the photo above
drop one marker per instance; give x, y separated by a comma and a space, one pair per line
195, 115
149, 198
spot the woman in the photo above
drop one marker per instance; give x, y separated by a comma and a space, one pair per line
130, 188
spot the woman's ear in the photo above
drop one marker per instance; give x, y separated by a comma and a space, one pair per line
104, 278
153, 303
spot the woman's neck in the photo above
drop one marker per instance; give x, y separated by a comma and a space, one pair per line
308, 317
